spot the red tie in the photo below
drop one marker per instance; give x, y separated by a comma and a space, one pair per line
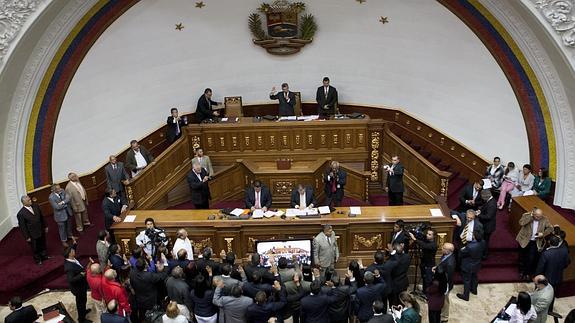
334, 185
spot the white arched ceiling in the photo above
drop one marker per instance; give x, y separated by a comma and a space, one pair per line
425, 61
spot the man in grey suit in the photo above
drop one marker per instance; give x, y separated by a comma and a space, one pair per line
60, 202
204, 161
234, 307
325, 250
541, 298
116, 176
228, 281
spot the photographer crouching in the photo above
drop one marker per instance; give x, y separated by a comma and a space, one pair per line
424, 237
151, 238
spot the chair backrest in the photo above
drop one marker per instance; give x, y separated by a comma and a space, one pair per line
297, 108
233, 106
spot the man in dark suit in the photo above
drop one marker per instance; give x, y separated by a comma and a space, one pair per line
286, 100
470, 264
144, 284
112, 315
302, 197
26, 314
326, 98
379, 314
198, 182
76, 276
62, 213
315, 306
175, 124
116, 176
399, 273
394, 182
428, 250
399, 236
263, 307
366, 295
487, 217
255, 266
339, 310
385, 269
204, 109
470, 197
258, 196
467, 225
553, 262
33, 228
113, 206
334, 178
137, 158
446, 266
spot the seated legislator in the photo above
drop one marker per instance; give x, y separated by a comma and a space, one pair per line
286, 100
175, 124
326, 98
203, 160
542, 183
204, 109
137, 158
334, 179
302, 197
198, 181
258, 197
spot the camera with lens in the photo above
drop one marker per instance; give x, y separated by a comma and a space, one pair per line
419, 230
157, 235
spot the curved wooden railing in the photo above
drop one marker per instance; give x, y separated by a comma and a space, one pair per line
420, 175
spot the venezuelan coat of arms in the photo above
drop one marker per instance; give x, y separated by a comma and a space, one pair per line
288, 27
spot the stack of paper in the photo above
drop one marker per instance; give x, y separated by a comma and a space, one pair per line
237, 212
486, 184
324, 210
436, 212
130, 218
355, 210
257, 214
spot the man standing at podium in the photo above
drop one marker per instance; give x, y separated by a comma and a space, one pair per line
204, 109
334, 179
326, 98
198, 181
286, 99
258, 197
394, 184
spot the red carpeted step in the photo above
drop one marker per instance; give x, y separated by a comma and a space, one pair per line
566, 213
426, 154
379, 200
456, 184
493, 275
501, 258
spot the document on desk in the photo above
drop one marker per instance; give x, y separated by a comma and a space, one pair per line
294, 212
355, 210
269, 214
258, 214
436, 212
311, 211
130, 218
324, 210
486, 184
237, 212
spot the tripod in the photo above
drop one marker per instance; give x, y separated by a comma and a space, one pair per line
415, 251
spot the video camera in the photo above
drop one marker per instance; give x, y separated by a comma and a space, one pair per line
419, 230
157, 236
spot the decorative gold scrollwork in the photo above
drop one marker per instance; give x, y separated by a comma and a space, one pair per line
297, 139
234, 141
322, 139
260, 141
441, 141
376, 240
126, 246
444, 187
375, 142
360, 138
335, 139
229, 244
441, 238
284, 140
196, 142
348, 138
222, 142
272, 140
247, 140
130, 194
201, 244
210, 142
309, 139
252, 242
284, 187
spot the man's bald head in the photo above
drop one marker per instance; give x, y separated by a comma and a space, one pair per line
110, 274
537, 214
95, 269
448, 248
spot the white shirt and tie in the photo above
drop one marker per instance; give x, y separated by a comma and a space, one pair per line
140, 161
302, 199
535, 228
257, 204
29, 208
185, 244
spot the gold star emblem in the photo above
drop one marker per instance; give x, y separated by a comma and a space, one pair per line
179, 26
200, 4
360, 1
383, 20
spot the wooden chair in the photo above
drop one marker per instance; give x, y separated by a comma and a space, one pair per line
233, 105
297, 107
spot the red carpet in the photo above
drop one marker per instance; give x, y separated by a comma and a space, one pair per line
20, 274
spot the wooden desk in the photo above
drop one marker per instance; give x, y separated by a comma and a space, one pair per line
524, 204
358, 237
